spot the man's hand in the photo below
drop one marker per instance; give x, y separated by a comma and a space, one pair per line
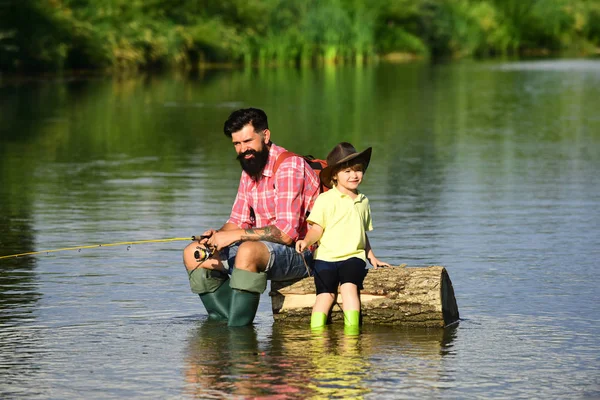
202, 239
219, 240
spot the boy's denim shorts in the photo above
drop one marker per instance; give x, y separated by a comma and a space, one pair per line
285, 263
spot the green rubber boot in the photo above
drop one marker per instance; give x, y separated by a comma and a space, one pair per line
217, 303
243, 308
318, 320
214, 291
352, 322
247, 287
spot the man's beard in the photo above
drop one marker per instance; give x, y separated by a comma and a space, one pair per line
255, 165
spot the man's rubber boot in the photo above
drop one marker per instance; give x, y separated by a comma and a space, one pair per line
352, 322
215, 293
247, 287
217, 303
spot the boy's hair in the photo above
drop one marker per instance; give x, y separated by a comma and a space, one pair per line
242, 117
354, 165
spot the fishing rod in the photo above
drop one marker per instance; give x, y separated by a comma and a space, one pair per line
93, 246
201, 254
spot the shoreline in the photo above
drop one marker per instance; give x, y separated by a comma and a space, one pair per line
389, 58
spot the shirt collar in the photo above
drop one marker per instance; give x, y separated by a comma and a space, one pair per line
342, 195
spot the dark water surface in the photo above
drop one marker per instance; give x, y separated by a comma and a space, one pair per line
490, 169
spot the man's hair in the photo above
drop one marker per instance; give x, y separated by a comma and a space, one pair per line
240, 118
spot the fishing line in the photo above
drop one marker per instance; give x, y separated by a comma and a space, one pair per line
93, 246
130, 243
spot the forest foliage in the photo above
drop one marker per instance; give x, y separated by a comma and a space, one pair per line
51, 35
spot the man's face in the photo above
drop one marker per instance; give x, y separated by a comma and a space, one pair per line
252, 149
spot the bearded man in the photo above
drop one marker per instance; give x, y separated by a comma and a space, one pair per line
257, 241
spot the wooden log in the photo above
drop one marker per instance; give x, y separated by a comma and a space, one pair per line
407, 296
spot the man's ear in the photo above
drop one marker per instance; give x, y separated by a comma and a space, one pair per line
267, 136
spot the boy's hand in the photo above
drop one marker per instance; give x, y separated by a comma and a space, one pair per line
301, 245
376, 263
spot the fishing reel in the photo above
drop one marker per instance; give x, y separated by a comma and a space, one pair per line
203, 253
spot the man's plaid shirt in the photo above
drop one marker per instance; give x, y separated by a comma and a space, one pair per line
283, 200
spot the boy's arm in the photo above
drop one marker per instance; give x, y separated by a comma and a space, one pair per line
375, 262
312, 236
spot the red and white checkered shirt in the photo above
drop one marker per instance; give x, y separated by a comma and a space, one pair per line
283, 200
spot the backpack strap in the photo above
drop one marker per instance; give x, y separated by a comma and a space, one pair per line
316, 165
281, 158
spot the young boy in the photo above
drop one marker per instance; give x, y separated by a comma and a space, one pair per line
340, 219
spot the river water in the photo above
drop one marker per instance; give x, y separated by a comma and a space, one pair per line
489, 169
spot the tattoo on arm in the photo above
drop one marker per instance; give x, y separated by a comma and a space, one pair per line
268, 233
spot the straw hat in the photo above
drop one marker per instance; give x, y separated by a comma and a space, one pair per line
342, 153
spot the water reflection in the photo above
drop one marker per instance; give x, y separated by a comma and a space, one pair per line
18, 280
223, 361
335, 363
293, 362
19, 294
490, 170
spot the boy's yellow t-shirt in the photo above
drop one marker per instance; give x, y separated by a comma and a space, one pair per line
345, 222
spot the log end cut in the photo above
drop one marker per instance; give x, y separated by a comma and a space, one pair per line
407, 296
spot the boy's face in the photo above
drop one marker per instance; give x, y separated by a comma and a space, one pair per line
349, 178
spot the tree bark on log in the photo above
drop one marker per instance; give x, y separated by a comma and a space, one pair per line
407, 296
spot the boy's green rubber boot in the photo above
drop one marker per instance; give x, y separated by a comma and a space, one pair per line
318, 320
214, 291
246, 287
352, 322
